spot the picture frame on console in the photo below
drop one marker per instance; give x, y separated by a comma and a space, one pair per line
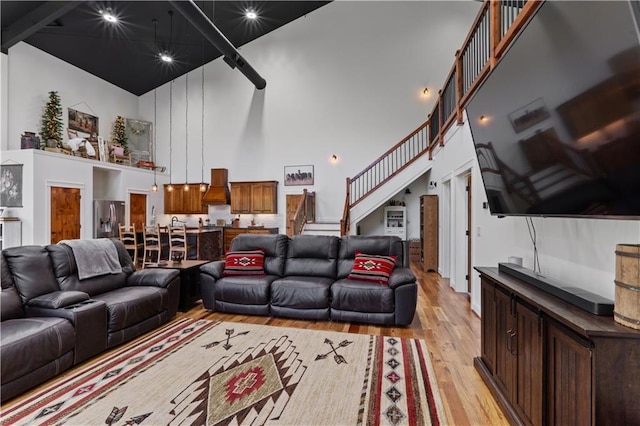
298, 175
529, 115
83, 122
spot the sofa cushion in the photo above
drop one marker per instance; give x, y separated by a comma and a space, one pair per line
10, 302
244, 262
370, 267
66, 272
31, 270
249, 290
130, 305
274, 246
30, 343
312, 255
301, 292
361, 296
378, 245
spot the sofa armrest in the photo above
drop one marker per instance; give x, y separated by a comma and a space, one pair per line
58, 299
89, 319
400, 276
155, 277
213, 268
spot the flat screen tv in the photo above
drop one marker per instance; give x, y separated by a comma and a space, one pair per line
556, 125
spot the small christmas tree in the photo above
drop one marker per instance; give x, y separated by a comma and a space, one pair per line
118, 135
52, 120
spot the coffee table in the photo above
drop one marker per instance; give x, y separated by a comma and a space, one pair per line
189, 280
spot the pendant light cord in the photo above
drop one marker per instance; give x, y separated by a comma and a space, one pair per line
170, 131
186, 130
202, 123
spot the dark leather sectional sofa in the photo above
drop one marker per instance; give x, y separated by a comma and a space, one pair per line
306, 277
52, 320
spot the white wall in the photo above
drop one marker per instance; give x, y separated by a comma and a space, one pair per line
576, 252
345, 80
32, 74
4, 101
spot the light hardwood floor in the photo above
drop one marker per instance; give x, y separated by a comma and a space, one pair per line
443, 319
452, 332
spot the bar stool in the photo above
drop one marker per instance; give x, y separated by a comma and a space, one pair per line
129, 238
152, 244
179, 243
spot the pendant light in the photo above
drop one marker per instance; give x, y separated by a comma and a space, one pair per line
170, 186
186, 133
203, 185
154, 187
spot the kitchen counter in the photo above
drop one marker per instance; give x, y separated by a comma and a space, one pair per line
230, 233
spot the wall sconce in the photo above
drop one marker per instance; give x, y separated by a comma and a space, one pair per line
334, 158
433, 184
425, 91
407, 191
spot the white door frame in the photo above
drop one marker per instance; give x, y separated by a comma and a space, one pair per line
459, 220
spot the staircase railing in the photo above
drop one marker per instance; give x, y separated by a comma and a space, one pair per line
305, 212
496, 26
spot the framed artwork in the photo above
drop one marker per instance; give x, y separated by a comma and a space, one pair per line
83, 122
529, 115
298, 175
11, 185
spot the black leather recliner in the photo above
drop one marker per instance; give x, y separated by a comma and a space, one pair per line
51, 320
306, 277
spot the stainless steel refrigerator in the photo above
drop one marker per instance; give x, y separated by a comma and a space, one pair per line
107, 215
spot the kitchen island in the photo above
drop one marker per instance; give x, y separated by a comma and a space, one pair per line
230, 233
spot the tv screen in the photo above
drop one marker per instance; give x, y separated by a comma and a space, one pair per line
556, 125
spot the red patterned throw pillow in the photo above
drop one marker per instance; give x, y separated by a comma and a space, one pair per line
371, 267
250, 262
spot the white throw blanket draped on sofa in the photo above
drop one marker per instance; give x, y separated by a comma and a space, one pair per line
94, 257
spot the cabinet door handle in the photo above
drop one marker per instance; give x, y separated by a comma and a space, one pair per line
509, 336
514, 351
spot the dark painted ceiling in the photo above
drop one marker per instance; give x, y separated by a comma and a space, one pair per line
127, 54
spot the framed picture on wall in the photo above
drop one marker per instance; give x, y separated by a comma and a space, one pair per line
83, 122
298, 175
529, 115
11, 185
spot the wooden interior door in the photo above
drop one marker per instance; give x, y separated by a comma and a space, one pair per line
65, 214
138, 210
469, 235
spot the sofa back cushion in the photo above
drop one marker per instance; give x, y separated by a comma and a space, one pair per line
312, 255
377, 245
66, 271
274, 246
10, 303
31, 271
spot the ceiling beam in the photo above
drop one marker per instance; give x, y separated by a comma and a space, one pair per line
35, 20
197, 18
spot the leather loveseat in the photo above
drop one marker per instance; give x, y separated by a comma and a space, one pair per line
52, 320
306, 277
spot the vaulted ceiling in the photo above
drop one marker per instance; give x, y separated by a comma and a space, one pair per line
126, 53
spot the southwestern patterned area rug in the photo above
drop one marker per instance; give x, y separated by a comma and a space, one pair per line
208, 373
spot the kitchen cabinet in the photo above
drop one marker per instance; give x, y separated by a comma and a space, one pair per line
254, 197
231, 233
395, 221
550, 363
180, 201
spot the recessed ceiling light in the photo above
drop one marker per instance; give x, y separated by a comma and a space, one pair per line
165, 57
251, 14
108, 15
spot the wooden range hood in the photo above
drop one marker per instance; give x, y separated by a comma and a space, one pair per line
218, 192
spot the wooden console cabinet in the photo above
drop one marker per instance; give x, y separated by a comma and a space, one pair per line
550, 363
254, 197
